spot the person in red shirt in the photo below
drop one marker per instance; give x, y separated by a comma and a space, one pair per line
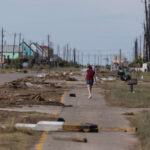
90, 80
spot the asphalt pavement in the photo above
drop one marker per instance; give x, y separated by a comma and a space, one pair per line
95, 111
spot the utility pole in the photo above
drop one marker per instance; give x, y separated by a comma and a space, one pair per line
48, 45
82, 59
89, 59
74, 55
120, 56
58, 50
140, 47
94, 60
48, 41
136, 49
78, 57
19, 42
70, 54
147, 30
58, 54
64, 53
67, 53
98, 60
2, 47
14, 45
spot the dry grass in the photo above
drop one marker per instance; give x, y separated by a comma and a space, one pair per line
24, 117
118, 93
142, 121
138, 76
12, 138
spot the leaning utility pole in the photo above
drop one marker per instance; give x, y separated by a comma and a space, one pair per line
2, 47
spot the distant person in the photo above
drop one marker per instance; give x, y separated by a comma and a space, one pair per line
90, 80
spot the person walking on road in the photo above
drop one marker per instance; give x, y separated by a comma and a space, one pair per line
90, 73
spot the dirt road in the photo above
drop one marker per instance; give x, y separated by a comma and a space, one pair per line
92, 111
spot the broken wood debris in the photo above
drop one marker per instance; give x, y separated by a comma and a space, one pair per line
78, 127
73, 139
113, 129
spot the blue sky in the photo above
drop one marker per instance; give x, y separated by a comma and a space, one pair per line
92, 26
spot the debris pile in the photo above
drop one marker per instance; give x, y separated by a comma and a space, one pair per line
32, 91
61, 76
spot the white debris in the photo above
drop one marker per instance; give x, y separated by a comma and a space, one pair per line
142, 77
43, 126
49, 126
29, 126
64, 73
41, 75
29, 84
108, 79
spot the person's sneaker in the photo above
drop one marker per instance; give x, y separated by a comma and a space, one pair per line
89, 97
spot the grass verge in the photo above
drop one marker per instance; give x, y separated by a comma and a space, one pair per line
12, 138
118, 93
142, 121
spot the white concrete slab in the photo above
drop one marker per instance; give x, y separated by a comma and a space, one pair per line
49, 126
29, 126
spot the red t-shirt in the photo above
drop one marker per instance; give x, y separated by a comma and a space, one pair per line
90, 74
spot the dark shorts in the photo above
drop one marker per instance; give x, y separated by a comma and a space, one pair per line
89, 82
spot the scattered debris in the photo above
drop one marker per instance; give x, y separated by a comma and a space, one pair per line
61, 120
111, 78
78, 127
33, 90
72, 95
41, 75
73, 139
25, 71
118, 129
129, 113
38, 98
29, 84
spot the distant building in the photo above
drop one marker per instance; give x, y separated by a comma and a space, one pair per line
49, 52
9, 51
118, 60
